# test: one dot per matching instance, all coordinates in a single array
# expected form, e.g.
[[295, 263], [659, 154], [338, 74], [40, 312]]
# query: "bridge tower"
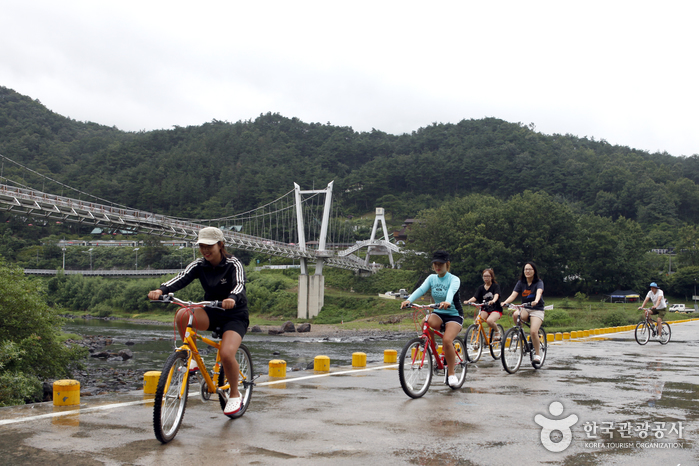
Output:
[[311, 295], [379, 247]]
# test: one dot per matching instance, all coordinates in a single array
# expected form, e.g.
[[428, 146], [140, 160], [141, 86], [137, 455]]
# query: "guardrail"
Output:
[[105, 273]]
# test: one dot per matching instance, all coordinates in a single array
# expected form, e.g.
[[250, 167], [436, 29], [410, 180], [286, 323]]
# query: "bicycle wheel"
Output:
[[415, 368], [512, 349], [496, 346], [245, 375], [543, 346], [171, 397], [474, 343], [461, 365], [665, 333], [642, 333]]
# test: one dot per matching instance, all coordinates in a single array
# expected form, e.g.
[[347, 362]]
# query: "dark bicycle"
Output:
[[647, 328], [515, 343]]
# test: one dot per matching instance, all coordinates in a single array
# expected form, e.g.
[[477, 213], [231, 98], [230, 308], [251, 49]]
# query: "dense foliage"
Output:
[[30, 350], [493, 192]]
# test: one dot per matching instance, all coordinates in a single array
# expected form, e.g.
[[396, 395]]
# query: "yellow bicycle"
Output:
[[173, 385]]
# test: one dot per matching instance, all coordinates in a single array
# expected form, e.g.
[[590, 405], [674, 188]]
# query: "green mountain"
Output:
[[221, 168]]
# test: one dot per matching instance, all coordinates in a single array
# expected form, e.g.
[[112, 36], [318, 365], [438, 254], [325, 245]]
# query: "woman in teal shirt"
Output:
[[449, 317]]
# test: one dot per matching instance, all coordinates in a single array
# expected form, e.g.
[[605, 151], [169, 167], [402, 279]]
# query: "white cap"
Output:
[[210, 235]]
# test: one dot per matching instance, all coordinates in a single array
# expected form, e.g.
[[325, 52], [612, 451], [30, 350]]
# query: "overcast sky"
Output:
[[622, 71]]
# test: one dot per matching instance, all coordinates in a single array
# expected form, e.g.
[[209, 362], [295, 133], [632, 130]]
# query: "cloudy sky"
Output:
[[622, 71]]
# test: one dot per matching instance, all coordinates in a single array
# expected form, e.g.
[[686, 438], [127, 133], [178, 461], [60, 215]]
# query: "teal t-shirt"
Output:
[[442, 288]]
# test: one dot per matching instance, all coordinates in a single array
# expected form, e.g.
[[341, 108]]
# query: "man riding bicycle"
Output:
[[657, 298]]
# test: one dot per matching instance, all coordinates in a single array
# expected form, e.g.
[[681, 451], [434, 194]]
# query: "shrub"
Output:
[[617, 318], [29, 329], [557, 318], [566, 304]]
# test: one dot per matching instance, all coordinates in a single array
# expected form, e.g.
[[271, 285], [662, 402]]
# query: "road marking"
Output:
[[191, 394], [352, 371]]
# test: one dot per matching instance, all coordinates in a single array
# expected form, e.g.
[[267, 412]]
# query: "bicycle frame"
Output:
[[519, 325], [478, 320], [426, 329], [648, 312], [189, 344]]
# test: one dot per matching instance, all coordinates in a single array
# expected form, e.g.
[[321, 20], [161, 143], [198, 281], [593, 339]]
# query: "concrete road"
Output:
[[628, 405]]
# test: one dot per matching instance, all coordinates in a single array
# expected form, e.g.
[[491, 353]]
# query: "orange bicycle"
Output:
[[173, 385], [476, 337], [419, 359]]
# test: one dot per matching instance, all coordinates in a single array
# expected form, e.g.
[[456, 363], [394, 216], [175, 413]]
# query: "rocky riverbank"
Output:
[[98, 379]]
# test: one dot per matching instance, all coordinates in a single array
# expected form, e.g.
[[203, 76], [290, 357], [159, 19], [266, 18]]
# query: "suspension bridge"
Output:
[[296, 225]]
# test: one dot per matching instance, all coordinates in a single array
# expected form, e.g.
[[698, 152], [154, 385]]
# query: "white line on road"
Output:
[[191, 393]]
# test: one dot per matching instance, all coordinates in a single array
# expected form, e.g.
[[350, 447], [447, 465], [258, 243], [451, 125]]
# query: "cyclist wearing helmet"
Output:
[[657, 299]]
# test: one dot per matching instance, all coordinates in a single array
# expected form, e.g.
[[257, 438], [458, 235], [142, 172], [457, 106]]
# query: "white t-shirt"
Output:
[[654, 298]]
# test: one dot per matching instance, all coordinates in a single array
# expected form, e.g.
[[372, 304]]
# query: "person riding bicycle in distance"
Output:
[[223, 278], [489, 293], [449, 316], [531, 287], [657, 299]]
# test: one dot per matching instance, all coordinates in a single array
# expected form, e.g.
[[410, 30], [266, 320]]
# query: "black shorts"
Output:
[[448, 318], [236, 320]]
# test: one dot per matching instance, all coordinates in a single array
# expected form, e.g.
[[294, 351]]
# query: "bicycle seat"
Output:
[[216, 333]]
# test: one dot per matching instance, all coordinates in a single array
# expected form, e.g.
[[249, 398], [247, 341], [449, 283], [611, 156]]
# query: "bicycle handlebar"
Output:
[[422, 306], [518, 306], [171, 299]]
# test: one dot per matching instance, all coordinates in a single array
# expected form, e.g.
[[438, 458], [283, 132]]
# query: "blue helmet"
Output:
[[653, 285]]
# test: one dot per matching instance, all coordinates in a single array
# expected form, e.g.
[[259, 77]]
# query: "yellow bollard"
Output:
[[559, 336], [550, 337], [66, 392], [277, 368], [321, 364], [586, 333], [566, 335], [573, 334], [150, 382], [358, 359], [390, 356]]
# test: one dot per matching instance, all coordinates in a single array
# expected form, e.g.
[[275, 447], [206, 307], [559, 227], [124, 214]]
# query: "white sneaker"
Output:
[[233, 405], [453, 381], [193, 366], [536, 359]]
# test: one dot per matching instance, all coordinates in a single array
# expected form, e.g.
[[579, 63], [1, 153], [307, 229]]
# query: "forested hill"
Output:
[[220, 168]]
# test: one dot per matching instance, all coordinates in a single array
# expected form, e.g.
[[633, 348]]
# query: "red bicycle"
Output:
[[419, 358]]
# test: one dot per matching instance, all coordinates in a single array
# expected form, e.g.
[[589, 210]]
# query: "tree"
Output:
[[30, 351]]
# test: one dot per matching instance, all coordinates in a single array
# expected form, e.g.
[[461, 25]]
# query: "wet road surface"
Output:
[[630, 405]]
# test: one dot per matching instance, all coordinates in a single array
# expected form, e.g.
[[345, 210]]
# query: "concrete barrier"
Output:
[[390, 356], [358, 359], [150, 382], [321, 363], [66, 392], [277, 368]]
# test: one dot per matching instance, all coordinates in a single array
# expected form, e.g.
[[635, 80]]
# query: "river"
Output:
[[151, 344]]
